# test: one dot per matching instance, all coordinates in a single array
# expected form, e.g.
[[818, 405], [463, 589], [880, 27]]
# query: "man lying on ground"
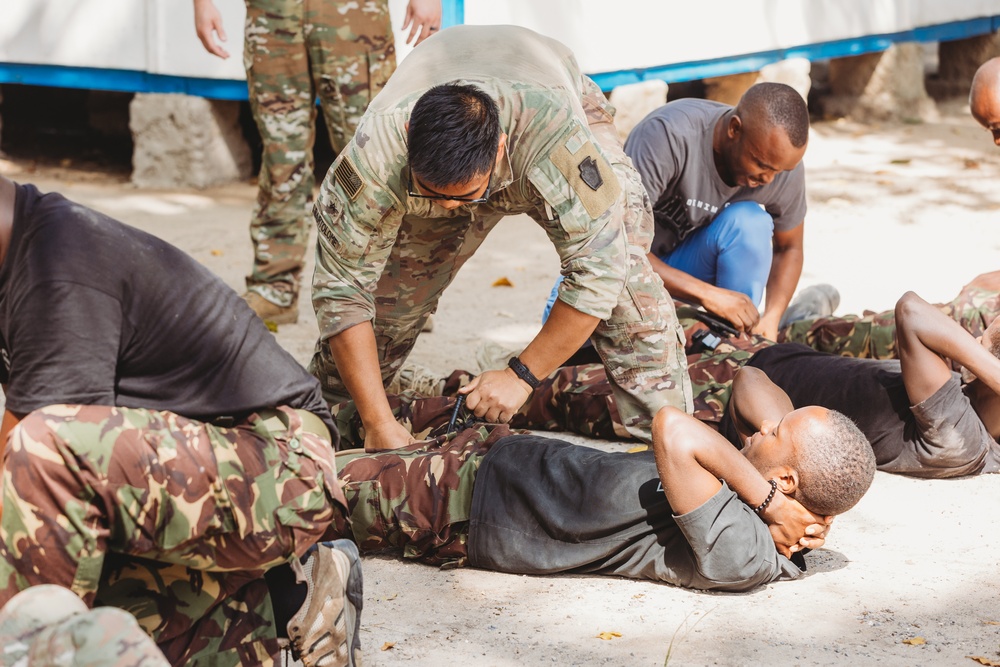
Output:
[[162, 453], [922, 418], [694, 512]]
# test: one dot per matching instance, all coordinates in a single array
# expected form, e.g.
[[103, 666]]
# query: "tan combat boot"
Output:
[[272, 312]]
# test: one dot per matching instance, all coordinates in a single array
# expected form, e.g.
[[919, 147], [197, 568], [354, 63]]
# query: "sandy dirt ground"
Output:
[[909, 577]]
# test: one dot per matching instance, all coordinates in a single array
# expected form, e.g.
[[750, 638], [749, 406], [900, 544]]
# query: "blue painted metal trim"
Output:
[[131, 81], [752, 62], [453, 13]]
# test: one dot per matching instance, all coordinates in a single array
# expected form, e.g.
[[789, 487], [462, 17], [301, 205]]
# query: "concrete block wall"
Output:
[[186, 142]]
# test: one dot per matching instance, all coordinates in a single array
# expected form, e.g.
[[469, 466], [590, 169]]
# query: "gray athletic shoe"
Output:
[[812, 302], [326, 631]]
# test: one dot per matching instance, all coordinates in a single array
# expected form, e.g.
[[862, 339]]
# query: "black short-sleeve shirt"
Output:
[[93, 311], [940, 437]]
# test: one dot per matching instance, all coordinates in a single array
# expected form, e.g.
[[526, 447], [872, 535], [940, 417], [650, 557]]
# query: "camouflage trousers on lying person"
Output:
[[171, 519], [873, 335], [417, 499], [577, 399]]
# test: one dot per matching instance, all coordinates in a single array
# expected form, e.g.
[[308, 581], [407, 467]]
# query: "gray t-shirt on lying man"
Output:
[[542, 506]]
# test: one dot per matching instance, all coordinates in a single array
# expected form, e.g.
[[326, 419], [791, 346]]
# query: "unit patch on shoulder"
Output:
[[348, 178], [589, 174]]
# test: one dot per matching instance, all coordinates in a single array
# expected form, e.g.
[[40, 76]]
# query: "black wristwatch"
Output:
[[521, 371]]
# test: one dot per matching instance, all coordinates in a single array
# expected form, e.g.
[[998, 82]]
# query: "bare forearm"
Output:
[[679, 284], [730, 305], [922, 325], [786, 269], [497, 395], [756, 399], [356, 356], [691, 458], [564, 332]]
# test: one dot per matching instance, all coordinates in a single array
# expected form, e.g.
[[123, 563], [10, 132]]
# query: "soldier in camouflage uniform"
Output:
[[296, 51], [873, 335], [391, 239], [166, 465], [241, 500]]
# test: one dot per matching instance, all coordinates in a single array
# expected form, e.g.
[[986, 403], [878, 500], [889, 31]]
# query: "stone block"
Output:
[[182, 141], [634, 101], [794, 72], [886, 86], [729, 89]]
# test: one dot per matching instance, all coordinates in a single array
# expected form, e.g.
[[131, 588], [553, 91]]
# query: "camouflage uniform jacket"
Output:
[[541, 96]]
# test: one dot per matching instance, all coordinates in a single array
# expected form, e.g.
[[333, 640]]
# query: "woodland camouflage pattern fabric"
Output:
[[168, 518], [386, 257], [416, 499], [577, 399], [294, 52], [873, 335]]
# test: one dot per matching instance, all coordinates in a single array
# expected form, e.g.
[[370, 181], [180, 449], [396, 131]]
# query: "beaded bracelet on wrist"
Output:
[[767, 501]]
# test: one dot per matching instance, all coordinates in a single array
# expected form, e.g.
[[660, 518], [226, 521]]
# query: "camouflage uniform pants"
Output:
[[640, 344], [417, 499], [171, 519], [873, 335], [296, 50], [579, 399]]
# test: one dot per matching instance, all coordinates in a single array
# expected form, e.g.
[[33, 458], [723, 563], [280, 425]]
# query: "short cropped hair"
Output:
[[836, 466], [453, 134], [778, 105]]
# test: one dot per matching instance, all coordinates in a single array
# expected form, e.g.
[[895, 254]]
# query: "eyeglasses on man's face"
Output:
[[412, 192]]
